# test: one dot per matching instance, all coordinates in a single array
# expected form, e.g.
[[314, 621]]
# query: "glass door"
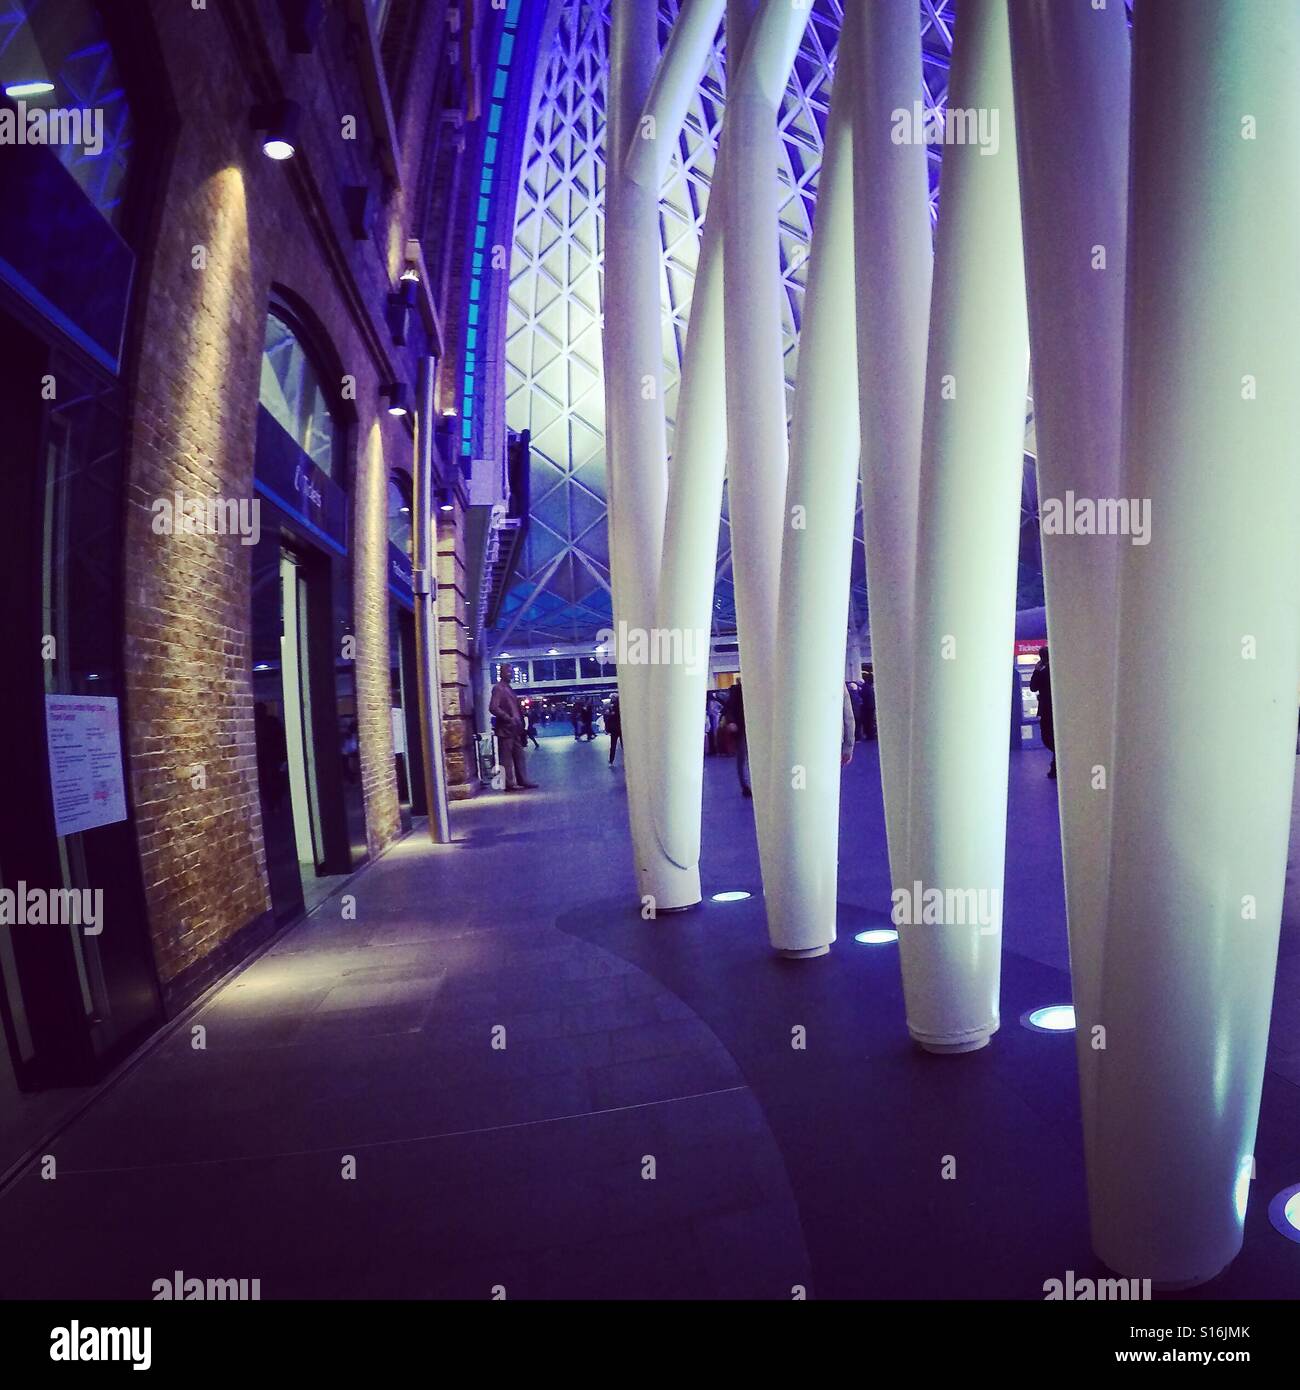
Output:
[[295, 676]]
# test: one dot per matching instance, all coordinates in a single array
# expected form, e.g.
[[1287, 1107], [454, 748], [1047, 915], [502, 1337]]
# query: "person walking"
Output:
[[848, 727], [530, 726], [614, 728], [508, 725], [870, 729], [854, 689], [736, 728], [588, 721], [713, 714], [1041, 684]]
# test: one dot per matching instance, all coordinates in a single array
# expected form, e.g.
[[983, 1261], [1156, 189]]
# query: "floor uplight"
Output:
[[1053, 1018]]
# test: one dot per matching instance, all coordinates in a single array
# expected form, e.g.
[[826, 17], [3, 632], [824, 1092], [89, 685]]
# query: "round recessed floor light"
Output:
[[275, 148], [36, 88], [877, 936], [736, 895], [1284, 1212], [1054, 1018]]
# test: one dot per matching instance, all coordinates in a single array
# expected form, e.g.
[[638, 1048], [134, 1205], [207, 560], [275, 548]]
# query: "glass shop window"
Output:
[[399, 513], [291, 391]]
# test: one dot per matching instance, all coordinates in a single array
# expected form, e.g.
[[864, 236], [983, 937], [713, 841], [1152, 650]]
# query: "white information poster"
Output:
[[85, 761]]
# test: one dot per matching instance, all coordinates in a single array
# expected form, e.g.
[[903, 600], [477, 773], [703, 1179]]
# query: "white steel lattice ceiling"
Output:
[[554, 379]]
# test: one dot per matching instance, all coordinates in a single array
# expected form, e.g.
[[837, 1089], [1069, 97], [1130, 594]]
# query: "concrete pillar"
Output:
[[755, 370], [801, 869], [892, 218], [1208, 622], [636, 443], [967, 544], [1071, 69]]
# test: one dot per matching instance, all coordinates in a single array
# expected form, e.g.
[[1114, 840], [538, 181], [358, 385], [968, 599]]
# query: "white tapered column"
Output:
[[690, 555], [685, 599], [800, 872], [968, 533], [757, 452], [1071, 69], [675, 85], [1209, 616], [636, 447], [892, 216]]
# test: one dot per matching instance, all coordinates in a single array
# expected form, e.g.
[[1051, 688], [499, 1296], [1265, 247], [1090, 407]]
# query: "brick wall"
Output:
[[453, 658], [197, 344]]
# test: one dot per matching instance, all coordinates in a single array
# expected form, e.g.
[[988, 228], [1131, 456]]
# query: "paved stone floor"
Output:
[[348, 1128]]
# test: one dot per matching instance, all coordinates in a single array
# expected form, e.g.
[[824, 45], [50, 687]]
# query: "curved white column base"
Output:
[[942, 1048], [673, 888], [805, 954], [1175, 1285]]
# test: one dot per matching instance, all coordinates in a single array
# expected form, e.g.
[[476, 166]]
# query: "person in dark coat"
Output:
[[272, 754], [614, 728], [1041, 684], [869, 727], [735, 717]]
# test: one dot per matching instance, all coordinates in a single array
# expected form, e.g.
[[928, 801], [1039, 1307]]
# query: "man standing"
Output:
[[1041, 684], [735, 717], [508, 724]]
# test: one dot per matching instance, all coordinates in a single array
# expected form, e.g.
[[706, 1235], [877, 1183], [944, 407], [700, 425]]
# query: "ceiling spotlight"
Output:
[[278, 123], [395, 394], [444, 499]]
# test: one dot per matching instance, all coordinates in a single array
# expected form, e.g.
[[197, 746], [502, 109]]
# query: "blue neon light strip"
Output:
[[487, 182]]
